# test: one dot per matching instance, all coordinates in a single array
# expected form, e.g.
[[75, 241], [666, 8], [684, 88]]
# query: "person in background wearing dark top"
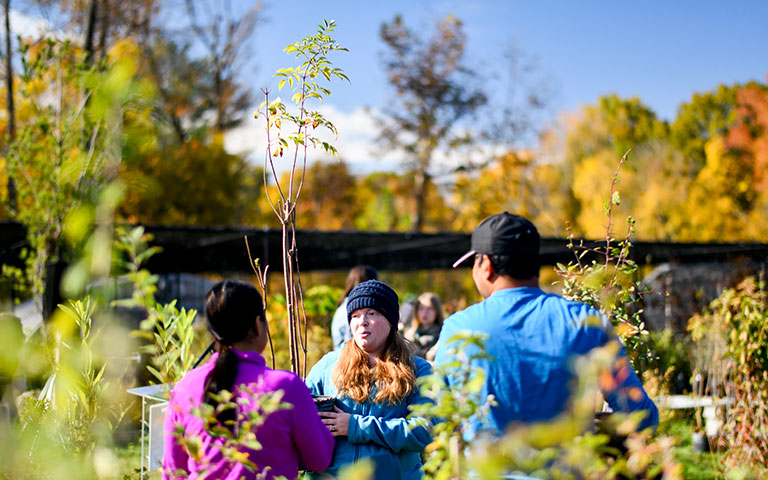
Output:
[[289, 438], [425, 327], [374, 381], [339, 325], [532, 336]]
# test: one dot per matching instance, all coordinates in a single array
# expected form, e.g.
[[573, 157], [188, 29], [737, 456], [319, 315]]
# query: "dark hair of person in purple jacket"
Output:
[[235, 317]]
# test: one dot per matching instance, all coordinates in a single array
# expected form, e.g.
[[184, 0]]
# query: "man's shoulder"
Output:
[[581, 320], [553, 301], [510, 304], [472, 319], [471, 312]]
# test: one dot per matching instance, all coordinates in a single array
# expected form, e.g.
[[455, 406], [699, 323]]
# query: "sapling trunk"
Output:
[[312, 50]]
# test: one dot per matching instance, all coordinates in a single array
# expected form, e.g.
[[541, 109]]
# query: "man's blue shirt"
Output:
[[533, 338]]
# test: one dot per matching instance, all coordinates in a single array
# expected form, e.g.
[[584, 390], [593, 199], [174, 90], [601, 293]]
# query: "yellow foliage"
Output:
[[591, 186], [719, 198], [124, 49], [511, 182]]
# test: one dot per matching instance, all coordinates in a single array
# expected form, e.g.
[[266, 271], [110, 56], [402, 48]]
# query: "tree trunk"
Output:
[[219, 124], [10, 104], [91, 31], [104, 31], [420, 193], [420, 184]]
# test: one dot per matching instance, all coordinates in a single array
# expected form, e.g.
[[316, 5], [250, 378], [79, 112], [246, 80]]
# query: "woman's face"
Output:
[[426, 314], [370, 330]]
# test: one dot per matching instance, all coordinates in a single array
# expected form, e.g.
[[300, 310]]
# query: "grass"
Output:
[[130, 462], [696, 465]]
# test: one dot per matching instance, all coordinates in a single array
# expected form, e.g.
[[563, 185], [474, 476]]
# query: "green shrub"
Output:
[[740, 317]]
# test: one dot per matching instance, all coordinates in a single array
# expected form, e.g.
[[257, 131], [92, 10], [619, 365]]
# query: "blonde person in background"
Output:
[[425, 327]]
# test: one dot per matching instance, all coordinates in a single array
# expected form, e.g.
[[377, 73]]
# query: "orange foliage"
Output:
[[749, 137]]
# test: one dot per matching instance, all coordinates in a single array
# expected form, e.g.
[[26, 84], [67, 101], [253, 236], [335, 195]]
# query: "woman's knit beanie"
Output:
[[376, 295]]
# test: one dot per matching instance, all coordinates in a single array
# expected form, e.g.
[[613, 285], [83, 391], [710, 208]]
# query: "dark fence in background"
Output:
[[223, 250]]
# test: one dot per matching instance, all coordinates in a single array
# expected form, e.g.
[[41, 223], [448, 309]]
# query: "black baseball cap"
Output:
[[504, 234]]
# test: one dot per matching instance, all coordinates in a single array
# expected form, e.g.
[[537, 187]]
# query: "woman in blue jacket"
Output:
[[373, 378]]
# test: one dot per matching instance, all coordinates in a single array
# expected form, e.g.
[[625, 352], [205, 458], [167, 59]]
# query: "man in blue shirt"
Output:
[[533, 336]]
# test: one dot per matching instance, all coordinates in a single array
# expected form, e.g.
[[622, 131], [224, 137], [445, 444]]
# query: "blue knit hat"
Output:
[[376, 295]]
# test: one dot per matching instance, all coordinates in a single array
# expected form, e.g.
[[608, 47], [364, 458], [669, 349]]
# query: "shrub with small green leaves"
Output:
[[134, 250], [605, 277], [453, 408], [171, 333], [740, 317], [66, 430]]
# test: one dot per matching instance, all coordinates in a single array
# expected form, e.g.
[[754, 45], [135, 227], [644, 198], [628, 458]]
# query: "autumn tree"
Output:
[[727, 200], [511, 182], [331, 198], [195, 183], [696, 179], [197, 91], [195, 66], [194, 97], [385, 202], [224, 36], [187, 176], [591, 144], [435, 92], [100, 23], [706, 116], [749, 136], [56, 162], [387, 198]]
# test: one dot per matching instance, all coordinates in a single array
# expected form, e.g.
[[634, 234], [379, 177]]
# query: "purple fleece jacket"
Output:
[[288, 437]]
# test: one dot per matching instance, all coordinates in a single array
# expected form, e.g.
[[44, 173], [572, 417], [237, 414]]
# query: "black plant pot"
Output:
[[700, 442], [603, 425], [324, 403]]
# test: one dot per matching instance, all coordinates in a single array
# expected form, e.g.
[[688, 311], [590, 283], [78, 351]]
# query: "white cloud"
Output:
[[33, 27], [355, 144]]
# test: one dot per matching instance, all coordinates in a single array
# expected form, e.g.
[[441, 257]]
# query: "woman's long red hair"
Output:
[[393, 375]]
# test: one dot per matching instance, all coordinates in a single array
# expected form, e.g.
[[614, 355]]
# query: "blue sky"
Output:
[[660, 51]]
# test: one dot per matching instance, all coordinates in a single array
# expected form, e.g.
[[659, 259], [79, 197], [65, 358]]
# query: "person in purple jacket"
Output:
[[288, 437]]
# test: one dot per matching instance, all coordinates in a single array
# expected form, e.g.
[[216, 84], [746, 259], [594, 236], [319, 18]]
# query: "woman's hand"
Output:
[[337, 422]]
